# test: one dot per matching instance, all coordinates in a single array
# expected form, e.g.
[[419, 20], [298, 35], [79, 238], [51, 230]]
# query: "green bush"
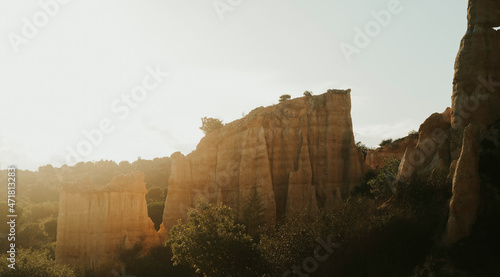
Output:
[[157, 262], [364, 149], [213, 243], [383, 184], [413, 134], [155, 195], [31, 235], [385, 142], [34, 263], [209, 124], [155, 212], [285, 97], [40, 211]]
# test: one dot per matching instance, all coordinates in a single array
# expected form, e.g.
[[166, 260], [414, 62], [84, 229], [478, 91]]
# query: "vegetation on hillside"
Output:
[[37, 205]]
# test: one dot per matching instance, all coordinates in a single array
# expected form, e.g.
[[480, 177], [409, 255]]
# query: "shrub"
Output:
[[31, 235], [385, 142], [383, 184], [209, 124], [157, 262], [155, 212], [41, 211], [213, 243], [364, 149], [307, 93], [285, 97], [33, 263], [155, 195], [413, 134]]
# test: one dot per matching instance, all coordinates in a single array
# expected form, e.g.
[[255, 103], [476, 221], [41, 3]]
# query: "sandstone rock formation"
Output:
[[431, 154], [375, 158], [466, 184], [96, 223], [445, 144], [476, 92], [476, 85], [299, 154]]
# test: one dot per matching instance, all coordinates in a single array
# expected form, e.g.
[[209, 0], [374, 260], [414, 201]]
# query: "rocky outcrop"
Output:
[[476, 93], [375, 159], [476, 85], [466, 186], [96, 223], [445, 144], [431, 154], [299, 154]]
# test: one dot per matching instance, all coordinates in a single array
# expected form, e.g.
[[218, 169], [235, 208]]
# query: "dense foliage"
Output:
[[37, 205], [213, 243], [33, 263], [155, 212], [384, 183]]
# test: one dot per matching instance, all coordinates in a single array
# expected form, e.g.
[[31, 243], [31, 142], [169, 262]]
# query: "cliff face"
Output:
[[449, 143], [297, 155], [96, 223], [375, 158], [466, 185], [431, 155], [476, 85]]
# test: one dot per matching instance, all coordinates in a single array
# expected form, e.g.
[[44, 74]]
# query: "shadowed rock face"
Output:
[[476, 90], [486, 12], [298, 155], [96, 223], [475, 103], [466, 185], [476, 85], [431, 154]]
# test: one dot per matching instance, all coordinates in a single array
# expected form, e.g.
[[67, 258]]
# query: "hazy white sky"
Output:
[[75, 68]]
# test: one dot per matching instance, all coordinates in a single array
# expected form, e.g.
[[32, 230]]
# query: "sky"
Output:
[[85, 80]]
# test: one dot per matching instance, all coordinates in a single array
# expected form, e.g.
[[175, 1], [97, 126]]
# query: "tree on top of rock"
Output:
[[209, 124], [285, 97]]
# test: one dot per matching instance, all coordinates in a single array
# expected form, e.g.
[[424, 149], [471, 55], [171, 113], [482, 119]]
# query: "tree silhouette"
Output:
[[209, 124], [284, 97], [253, 211]]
